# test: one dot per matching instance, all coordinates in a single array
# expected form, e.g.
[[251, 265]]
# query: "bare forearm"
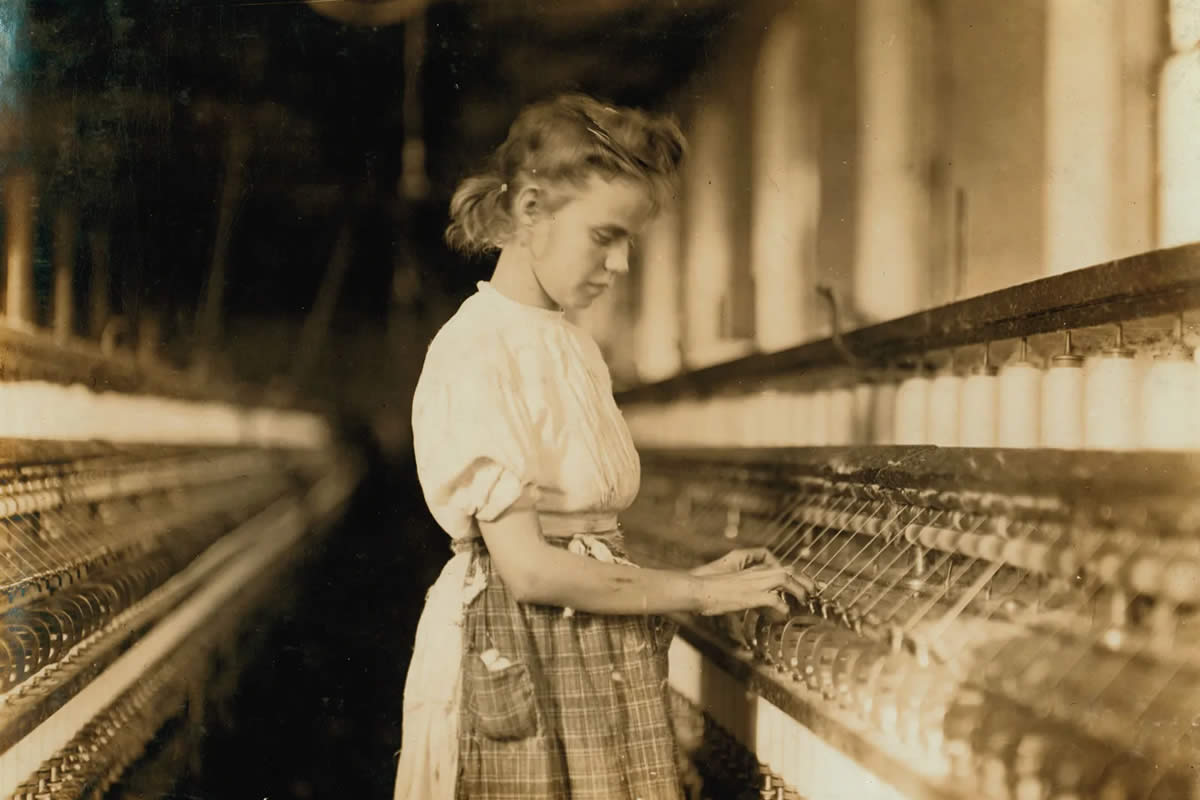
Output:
[[561, 578], [599, 588], [537, 572]]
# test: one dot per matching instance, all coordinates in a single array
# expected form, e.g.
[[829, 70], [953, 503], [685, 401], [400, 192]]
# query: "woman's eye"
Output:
[[601, 238]]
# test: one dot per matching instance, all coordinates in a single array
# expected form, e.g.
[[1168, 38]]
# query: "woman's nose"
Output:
[[617, 259]]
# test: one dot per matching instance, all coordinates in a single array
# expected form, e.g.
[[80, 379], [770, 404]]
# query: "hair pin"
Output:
[[601, 135]]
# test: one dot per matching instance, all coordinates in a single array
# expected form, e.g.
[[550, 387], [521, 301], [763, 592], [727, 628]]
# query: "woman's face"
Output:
[[580, 248]]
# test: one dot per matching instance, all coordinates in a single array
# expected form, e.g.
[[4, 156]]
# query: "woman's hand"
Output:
[[736, 560], [753, 587]]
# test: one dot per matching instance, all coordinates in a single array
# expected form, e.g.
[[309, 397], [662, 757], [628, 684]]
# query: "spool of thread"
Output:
[[689, 418], [739, 412], [799, 405], [841, 416], [942, 412], [881, 428], [749, 408], [864, 404], [1018, 405], [1112, 389], [1062, 403], [820, 403], [733, 412], [771, 416], [717, 424], [977, 408], [733, 416], [1170, 393], [705, 416], [692, 428], [912, 400]]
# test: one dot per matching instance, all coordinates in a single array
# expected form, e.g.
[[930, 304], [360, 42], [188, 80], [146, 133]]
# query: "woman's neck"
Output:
[[514, 278]]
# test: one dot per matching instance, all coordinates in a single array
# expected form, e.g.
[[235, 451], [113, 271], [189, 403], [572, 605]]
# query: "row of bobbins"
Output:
[[1112, 400], [1109, 401], [39, 410]]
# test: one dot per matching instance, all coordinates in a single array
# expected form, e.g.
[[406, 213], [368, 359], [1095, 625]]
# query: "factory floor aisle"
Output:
[[317, 713]]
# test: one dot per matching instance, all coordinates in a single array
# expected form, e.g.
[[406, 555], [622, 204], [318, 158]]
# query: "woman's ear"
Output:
[[528, 205]]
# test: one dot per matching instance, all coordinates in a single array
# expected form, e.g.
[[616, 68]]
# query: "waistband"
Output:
[[561, 525], [570, 523]]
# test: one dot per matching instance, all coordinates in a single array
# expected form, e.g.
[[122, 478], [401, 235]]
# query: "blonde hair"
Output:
[[564, 140]]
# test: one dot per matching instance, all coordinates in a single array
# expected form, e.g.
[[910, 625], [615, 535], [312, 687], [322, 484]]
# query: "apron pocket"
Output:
[[501, 701]]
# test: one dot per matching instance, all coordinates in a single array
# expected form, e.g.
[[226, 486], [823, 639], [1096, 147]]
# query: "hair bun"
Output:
[[564, 140]]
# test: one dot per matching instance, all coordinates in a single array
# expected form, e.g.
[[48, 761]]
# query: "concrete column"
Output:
[[1083, 125], [657, 328], [1141, 61], [892, 229], [18, 247], [1179, 121], [709, 241], [65, 235], [786, 189]]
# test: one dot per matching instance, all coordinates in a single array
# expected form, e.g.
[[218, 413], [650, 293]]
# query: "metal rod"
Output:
[[937, 598]]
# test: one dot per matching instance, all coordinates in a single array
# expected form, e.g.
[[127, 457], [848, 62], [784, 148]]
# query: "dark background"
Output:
[[132, 104]]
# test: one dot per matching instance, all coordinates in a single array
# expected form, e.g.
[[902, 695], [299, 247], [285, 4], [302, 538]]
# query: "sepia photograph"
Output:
[[600, 399]]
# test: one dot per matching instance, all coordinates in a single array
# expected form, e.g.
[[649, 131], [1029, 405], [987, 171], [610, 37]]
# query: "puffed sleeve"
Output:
[[473, 440]]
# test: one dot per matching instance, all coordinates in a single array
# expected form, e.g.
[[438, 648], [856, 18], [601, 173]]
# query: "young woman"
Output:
[[539, 669]]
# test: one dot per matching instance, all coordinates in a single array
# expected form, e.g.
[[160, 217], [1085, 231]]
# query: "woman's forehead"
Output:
[[619, 201]]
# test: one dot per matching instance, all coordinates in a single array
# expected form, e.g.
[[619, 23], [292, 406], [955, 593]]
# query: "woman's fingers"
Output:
[[759, 555], [803, 583], [780, 580], [789, 581], [776, 602], [763, 586]]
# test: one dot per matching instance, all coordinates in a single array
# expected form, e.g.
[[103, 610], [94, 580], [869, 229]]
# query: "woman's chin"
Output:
[[586, 296], [580, 302]]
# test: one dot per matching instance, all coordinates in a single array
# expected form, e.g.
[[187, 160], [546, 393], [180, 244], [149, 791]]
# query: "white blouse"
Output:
[[513, 402], [516, 400]]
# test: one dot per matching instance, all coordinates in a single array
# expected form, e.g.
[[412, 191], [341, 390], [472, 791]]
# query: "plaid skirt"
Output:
[[578, 708]]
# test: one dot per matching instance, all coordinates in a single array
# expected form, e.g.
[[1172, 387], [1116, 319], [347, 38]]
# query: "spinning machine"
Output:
[[145, 531], [999, 502]]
